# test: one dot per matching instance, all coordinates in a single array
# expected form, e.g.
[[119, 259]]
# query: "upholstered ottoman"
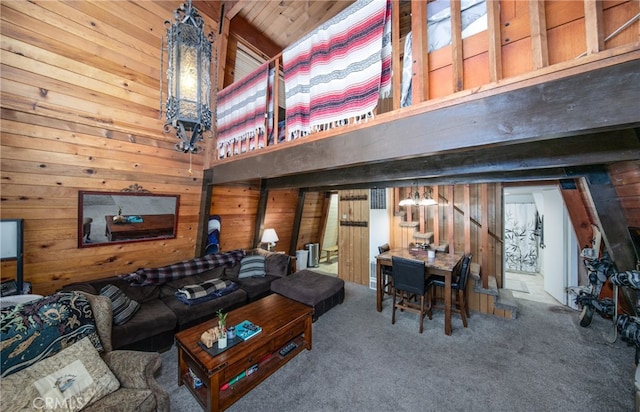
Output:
[[311, 288]]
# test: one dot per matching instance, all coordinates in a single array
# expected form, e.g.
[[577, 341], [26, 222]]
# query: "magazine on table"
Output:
[[246, 330]]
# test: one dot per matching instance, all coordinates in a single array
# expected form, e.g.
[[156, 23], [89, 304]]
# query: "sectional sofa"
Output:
[[160, 314]]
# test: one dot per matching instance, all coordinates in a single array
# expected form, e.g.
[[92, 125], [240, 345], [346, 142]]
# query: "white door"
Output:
[[560, 242]]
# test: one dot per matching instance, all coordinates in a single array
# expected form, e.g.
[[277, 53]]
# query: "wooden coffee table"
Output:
[[282, 320], [151, 226]]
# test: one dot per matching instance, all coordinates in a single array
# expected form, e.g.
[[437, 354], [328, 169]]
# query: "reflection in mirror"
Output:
[[121, 217]]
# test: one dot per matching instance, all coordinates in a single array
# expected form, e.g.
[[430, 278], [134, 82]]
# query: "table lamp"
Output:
[[270, 237]]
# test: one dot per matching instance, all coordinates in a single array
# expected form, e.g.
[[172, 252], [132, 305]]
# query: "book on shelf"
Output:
[[246, 330], [195, 381]]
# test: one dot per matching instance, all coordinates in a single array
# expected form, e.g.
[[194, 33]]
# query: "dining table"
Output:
[[442, 264]]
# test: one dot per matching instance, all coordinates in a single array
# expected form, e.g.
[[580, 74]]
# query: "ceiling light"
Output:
[[414, 198]]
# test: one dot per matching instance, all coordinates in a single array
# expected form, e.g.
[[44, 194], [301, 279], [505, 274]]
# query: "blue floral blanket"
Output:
[[34, 331]]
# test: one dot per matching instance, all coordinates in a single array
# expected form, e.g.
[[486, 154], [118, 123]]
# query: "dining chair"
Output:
[[387, 272], [409, 283], [459, 277]]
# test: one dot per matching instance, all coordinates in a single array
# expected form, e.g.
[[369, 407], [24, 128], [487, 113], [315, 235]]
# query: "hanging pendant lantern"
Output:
[[188, 78]]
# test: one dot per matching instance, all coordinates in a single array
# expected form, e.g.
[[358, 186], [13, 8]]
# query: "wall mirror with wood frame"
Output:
[[107, 218]]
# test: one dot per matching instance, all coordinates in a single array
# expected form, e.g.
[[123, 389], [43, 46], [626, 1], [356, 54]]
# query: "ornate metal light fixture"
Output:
[[188, 78]]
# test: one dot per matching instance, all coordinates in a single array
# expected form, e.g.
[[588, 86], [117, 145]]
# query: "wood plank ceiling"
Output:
[[283, 21]]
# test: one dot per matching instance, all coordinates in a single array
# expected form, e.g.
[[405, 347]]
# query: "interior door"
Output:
[[558, 241], [353, 236]]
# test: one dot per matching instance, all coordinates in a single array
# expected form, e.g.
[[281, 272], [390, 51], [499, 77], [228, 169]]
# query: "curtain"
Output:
[[521, 243], [336, 74]]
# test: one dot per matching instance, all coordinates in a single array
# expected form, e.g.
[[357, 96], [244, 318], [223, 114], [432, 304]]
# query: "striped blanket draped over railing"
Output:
[[336, 74], [240, 113]]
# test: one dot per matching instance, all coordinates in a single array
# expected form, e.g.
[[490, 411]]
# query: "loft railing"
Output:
[[520, 40]]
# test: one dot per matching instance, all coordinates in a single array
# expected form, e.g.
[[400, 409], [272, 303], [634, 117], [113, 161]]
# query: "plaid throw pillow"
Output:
[[123, 307]]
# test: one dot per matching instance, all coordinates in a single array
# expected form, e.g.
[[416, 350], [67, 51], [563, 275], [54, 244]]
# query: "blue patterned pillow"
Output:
[[252, 266], [36, 330], [122, 306]]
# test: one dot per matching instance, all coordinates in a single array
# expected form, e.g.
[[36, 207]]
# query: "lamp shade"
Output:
[[269, 236], [427, 202]]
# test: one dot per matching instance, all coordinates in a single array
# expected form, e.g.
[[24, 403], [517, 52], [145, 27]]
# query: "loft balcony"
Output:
[[538, 88]]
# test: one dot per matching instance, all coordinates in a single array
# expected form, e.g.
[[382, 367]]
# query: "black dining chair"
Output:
[[387, 272], [409, 283], [459, 277]]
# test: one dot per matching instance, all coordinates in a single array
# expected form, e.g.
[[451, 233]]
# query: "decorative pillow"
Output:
[[70, 380], [36, 330], [252, 266], [123, 307]]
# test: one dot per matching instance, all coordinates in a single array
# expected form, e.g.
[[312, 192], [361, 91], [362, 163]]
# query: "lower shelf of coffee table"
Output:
[[227, 397]]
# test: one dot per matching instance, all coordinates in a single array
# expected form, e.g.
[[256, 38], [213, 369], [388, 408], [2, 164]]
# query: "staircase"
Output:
[[494, 301]]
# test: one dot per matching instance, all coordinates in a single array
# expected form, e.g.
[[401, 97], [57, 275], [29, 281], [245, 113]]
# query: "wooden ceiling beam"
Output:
[[529, 158], [233, 7], [610, 215]]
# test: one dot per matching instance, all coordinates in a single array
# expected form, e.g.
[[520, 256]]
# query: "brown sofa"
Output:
[[161, 314]]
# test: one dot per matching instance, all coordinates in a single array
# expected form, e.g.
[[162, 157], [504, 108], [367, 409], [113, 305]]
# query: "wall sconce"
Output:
[[188, 78], [270, 237], [414, 198]]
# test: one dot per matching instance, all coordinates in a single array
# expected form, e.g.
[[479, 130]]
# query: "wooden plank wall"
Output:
[[625, 177], [310, 223], [80, 105], [532, 35], [280, 215], [80, 110], [237, 206]]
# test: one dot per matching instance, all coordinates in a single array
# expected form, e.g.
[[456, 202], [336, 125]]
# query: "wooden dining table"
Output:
[[442, 265]]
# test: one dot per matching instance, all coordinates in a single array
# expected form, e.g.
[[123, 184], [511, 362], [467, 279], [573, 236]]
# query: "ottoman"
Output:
[[322, 292]]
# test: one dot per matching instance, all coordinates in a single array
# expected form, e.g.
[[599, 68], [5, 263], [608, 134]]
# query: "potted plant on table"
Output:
[[222, 329]]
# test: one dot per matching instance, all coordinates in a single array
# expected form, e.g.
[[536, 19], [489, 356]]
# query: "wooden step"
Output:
[[503, 302], [492, 288], [507, 302]]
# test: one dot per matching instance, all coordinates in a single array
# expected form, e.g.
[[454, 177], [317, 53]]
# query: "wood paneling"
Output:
[[280, 215], [237, 206], [310, 223], [625, 177], [80, 100], [81, 109]]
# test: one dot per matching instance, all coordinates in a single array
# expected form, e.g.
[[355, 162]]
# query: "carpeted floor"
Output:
[[541, 361]]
